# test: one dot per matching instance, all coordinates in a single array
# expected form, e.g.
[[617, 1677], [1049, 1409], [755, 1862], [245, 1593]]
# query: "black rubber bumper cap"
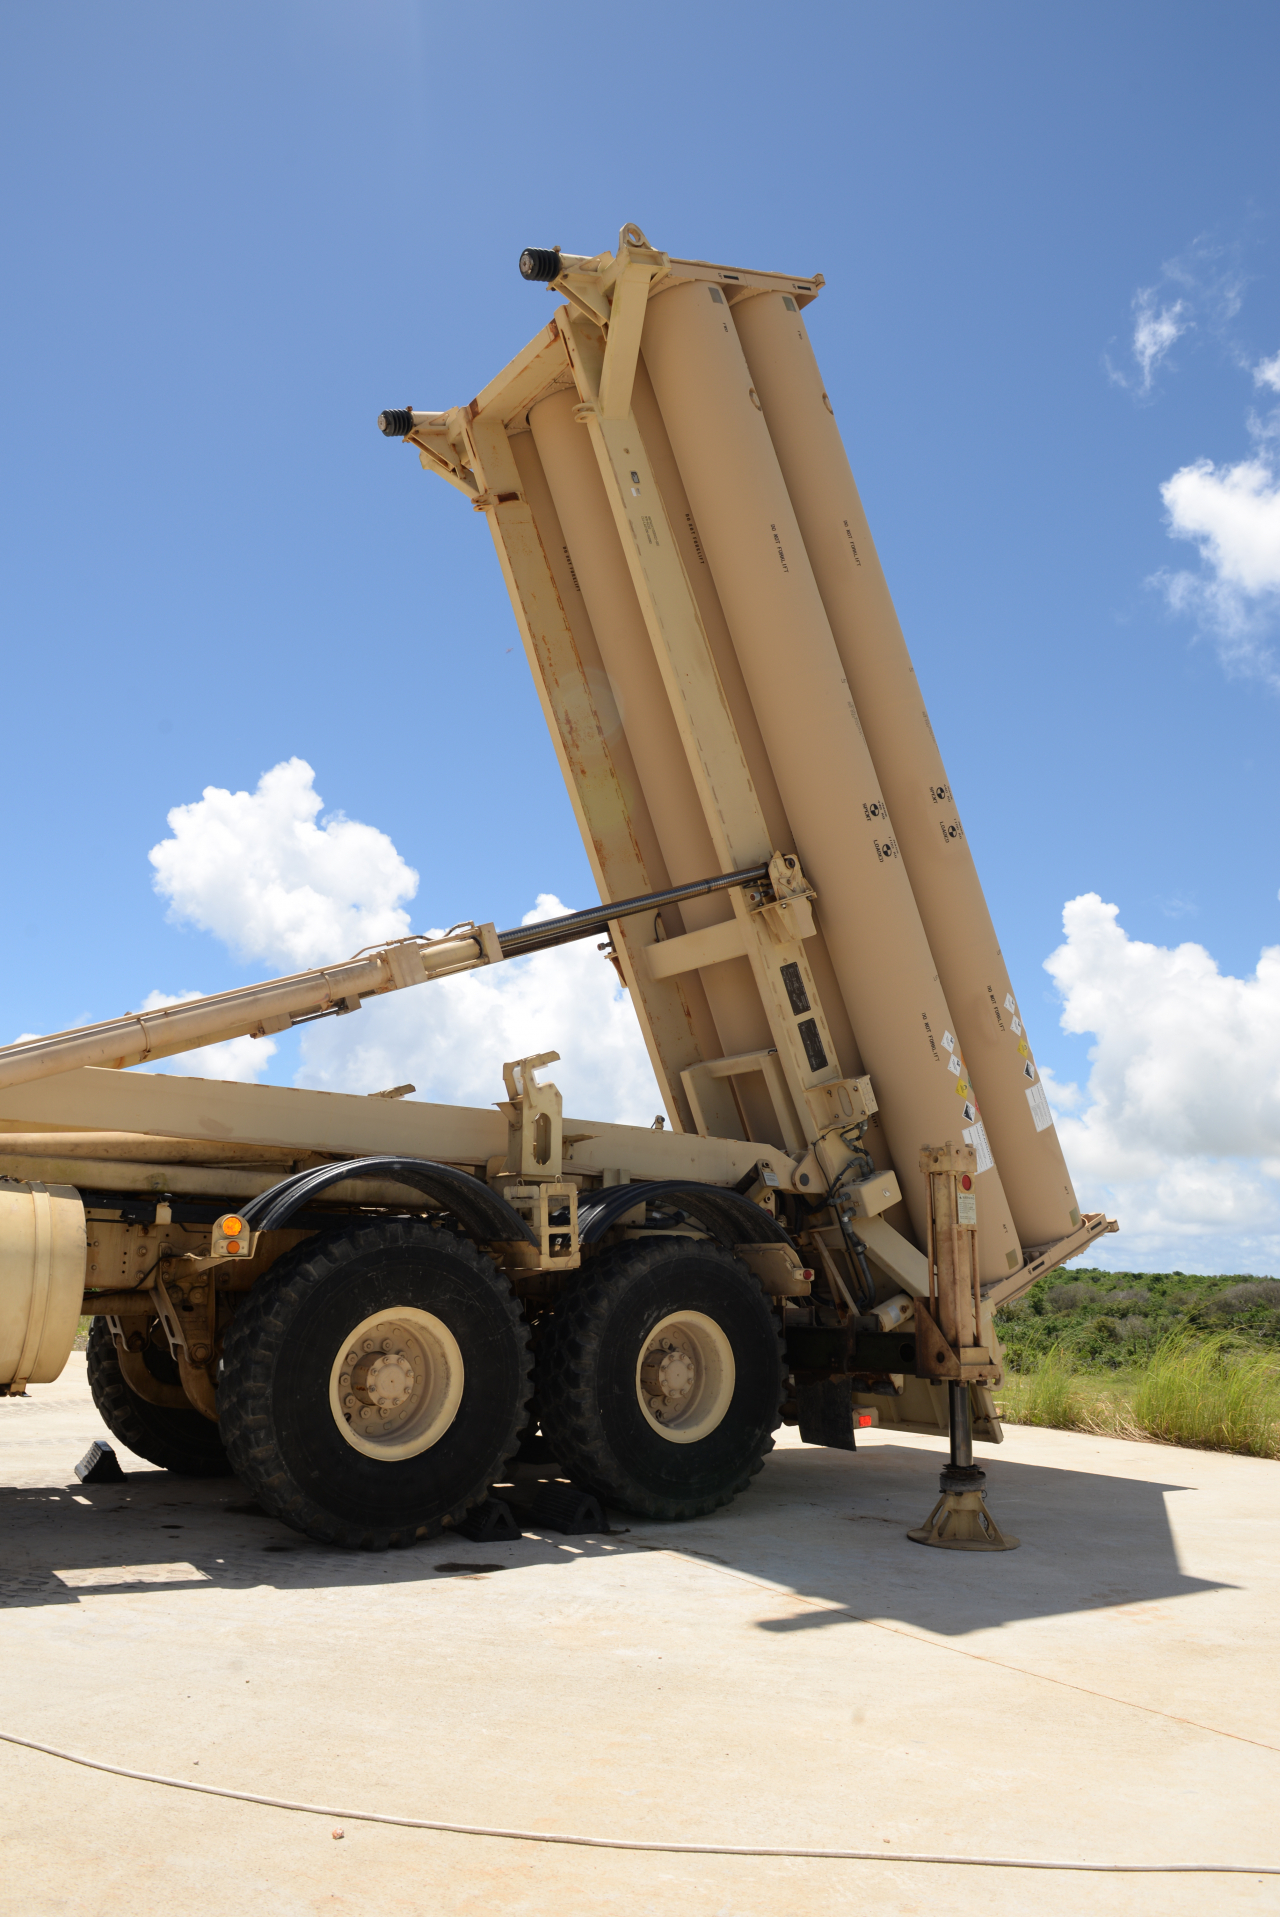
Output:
[[539, 263]]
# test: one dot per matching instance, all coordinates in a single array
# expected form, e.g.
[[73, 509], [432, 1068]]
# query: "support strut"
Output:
[[960, 1520]]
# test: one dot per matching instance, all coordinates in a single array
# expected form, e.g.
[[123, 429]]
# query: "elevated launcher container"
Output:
[[861, 1163]]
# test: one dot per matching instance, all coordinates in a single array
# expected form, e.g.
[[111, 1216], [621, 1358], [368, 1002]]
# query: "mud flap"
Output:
[[827, 1414]]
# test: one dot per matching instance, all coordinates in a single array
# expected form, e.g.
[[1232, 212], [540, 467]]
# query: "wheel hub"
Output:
[[396, 1384], [668, 1375], [386, 1380], [685, 1376]]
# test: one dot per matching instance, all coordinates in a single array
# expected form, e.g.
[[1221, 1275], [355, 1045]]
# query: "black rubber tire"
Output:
[[587, 1360], [184, 1442], [280, 1433]]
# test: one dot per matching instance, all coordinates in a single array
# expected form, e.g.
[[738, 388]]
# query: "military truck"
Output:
[[374, 1309]]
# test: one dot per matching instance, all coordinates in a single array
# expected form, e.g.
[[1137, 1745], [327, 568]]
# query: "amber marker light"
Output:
[[229, 1229]]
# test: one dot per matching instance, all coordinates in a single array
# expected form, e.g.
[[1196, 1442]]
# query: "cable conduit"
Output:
[[882, 1856]]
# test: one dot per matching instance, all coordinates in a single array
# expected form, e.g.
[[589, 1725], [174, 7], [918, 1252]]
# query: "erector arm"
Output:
[[255, 1011]]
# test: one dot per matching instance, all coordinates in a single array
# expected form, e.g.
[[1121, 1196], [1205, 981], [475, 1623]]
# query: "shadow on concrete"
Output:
[[61, 1544], [827, 1526], [831, 1528]]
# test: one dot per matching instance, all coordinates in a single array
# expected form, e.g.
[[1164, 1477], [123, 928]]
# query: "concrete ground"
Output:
[[792, 1671]]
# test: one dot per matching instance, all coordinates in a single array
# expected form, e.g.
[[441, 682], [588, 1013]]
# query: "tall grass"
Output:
[[1049, 1395], [1204, 1395]]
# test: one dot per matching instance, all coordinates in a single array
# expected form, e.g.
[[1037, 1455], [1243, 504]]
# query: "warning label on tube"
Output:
[[976, 1135], [1039, 1107]]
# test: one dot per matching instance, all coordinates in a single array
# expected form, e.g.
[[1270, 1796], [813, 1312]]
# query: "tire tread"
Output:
[[566, 1361], [256, 1336], [184, 1442]]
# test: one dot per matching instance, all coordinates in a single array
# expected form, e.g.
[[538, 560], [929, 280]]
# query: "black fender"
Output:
[[725, 1213], [484, 1214]]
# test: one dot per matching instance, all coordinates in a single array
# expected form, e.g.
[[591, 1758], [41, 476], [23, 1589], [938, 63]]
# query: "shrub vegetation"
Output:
[[1114, 1320], [1172, 1356]]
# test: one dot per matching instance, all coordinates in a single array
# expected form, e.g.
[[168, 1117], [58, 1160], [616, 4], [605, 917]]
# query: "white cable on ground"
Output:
[[630, 1843]]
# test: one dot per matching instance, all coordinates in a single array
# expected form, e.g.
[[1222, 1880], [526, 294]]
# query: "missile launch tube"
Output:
[[815, 744], [684, 530], [647, 719], [855, 595]]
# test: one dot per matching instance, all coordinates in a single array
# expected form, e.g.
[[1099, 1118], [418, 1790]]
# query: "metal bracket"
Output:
[[535, 1120], [636, 265], [536, 1203], [1042, 1258], [440, 442], [696, 1078]]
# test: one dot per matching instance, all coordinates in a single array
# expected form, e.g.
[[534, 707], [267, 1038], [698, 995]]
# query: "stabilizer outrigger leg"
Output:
[[960, 1520], [948, 1346]]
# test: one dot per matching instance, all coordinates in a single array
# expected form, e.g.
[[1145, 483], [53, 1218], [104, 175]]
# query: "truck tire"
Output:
[[184, 1442], [374, 1383], [660, 1378]]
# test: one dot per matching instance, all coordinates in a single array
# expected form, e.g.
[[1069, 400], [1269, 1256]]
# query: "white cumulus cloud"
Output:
[[450, 1038], [1267, 373], [256, 870], [1232, 513], [1178, 1132]]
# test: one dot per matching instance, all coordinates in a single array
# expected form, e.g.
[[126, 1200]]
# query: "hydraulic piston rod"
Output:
[[579, 925], [258, 1010]]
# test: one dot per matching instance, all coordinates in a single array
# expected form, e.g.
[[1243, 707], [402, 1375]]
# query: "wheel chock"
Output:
[[489, 1522], [564, 1508], [100, 1465]]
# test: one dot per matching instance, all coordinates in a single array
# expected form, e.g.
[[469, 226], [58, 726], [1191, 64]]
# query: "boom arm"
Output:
[[255, 1011]]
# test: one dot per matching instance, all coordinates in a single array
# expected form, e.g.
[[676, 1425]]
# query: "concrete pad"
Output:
[[790, 1672]]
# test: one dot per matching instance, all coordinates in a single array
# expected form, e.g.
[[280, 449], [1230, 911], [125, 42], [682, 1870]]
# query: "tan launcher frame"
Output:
[[763, 970]]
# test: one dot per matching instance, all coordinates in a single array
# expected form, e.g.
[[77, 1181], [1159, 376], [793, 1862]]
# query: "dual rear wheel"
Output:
[[660, 1378], [377, 1381]]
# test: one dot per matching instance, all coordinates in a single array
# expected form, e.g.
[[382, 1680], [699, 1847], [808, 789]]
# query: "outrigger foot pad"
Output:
[[960, 1520]]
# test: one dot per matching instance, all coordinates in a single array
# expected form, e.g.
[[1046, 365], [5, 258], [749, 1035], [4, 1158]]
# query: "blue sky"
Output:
[[234, 233]]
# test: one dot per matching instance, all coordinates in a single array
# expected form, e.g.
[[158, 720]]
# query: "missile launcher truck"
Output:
[[372, 1311]]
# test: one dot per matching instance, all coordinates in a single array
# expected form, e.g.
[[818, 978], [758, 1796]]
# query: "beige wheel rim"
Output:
[[685, 1376], [396, 1383]]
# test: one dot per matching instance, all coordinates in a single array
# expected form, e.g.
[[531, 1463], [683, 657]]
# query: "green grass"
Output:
[[1210, 1395], [1049, 1394]]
